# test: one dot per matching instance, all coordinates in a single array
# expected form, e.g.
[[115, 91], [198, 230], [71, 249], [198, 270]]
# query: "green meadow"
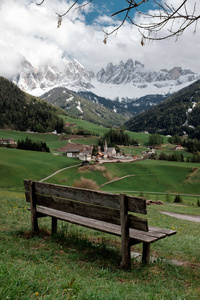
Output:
[[53, 140], [16, 165], [100, 130], [79, 263]]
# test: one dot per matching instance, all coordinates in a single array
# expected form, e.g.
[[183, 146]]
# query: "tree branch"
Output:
[[164, 15]]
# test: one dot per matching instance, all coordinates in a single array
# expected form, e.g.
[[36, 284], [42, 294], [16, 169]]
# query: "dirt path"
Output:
[[181, 216], [117, 179], [59, 171]]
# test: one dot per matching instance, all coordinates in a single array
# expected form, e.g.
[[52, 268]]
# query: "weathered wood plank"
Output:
[[77, 194], [156, 235], [78, 208], [96, 224], [168, 232], [136, 204], [79, 220], [137, 223]]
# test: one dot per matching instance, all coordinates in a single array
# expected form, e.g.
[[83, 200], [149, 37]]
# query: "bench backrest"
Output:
[[111, 208]]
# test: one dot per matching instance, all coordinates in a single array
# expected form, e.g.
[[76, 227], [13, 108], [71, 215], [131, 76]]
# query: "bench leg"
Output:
[[146, 253], [125, 238], [34, 219], [54, 225], [126, 255]]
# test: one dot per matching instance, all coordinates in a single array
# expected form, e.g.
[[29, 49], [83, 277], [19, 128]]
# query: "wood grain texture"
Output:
[[135, 204]]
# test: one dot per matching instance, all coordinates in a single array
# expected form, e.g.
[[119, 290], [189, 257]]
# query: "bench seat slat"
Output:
[[168, 232], [136, 235]]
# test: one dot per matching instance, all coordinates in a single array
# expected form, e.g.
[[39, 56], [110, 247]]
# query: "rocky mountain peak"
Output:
[[125, 80], [70, 73]]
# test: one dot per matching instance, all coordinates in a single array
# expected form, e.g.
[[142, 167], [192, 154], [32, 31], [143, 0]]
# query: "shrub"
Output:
[[198, 203], [178, 199], [86, 184], [167, 197]]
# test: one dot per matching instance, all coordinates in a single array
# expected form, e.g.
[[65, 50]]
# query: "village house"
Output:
[[178, 147], [85, 155], [83, 152], [72, 153], [7, 142]]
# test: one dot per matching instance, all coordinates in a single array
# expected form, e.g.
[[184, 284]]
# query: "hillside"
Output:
[[178, 114], [94, 112], [20, 111]]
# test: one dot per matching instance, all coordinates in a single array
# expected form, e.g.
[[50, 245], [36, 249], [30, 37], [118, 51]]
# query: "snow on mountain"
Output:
[[36, 81], [129, 80]]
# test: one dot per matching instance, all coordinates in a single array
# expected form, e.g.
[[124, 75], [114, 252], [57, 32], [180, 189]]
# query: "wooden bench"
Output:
[[111, 213]]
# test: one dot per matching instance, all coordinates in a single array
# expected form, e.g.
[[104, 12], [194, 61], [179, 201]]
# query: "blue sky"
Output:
[[104, 7], [30, 32]]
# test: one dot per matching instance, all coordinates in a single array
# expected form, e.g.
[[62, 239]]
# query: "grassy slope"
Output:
[[160, 176], [17, 165], [86, 125], [149, 176]]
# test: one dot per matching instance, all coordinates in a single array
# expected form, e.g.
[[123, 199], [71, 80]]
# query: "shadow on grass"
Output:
[[83, 245]]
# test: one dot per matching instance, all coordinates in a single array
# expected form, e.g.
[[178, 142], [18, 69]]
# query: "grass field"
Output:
[[79, 263], [155, 179], [16, 165], [100, 130]]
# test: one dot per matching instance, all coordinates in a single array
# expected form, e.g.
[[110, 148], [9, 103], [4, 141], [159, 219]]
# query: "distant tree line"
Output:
[[171, 157], [116, 137], [179, 157], [155, 139], [192, 145], [28, 144]]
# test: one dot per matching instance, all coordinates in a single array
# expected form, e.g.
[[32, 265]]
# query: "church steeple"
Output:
[[105, 147]]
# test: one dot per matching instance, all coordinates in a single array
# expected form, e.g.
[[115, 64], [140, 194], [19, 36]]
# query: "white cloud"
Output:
[[31, 31]]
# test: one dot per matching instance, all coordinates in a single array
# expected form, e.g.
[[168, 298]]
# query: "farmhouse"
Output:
[[72, 152]]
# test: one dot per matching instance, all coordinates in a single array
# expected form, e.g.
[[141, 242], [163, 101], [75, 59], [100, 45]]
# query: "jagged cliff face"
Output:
[[135, 72], [125, 81], [70, 74]]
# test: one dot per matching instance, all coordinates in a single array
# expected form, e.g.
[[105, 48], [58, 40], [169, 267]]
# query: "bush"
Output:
[[178, 199], [86, 184], [167, 197]]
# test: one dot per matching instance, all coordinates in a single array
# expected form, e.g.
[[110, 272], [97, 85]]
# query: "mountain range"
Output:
[[126, 82], [118, 93]]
